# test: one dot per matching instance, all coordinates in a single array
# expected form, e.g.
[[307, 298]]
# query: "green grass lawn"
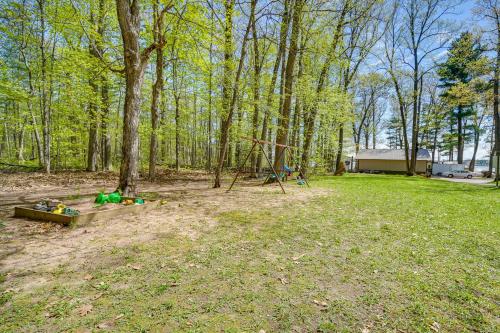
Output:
[[379, 254]]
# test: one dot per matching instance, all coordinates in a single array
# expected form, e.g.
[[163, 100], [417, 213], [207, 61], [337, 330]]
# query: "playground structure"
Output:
[[278, 176]]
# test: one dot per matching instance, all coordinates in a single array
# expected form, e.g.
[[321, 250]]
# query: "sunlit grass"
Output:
[[382, 253]]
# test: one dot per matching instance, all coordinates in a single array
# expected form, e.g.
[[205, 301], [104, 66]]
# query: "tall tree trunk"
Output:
[[416, 110], [20, 150], [374, 127], [496, 99], [209, 125], [210, 88], [434, 145], [39, 145], [229, 91], [46, 117], [227, 82], [284, 120], [402, 113], [340, 149], [295, 127], [177, 132], [93, 143], [272, 85], [460, 137], [135, 62], [157, 88], [491, 161], [256, 90], [32, 113], [193, 143], [472, 163], [105, 134]]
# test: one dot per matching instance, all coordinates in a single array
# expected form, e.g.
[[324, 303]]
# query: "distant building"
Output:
[[390, 160]]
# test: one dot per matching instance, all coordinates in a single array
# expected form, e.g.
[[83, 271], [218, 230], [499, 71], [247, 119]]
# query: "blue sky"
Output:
[[465, 19]]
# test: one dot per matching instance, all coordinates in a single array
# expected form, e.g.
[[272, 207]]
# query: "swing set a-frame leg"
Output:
[[241, 166], [272, 168]]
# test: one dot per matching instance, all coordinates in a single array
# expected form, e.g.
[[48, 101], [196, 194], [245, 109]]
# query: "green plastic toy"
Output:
[[102, 198], [139, 201], [71, 211], [115, 197]]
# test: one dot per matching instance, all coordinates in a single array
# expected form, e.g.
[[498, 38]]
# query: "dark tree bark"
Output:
[[135, 62], [284, 120]]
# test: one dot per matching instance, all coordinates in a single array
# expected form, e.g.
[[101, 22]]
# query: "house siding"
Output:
[[389, 165]]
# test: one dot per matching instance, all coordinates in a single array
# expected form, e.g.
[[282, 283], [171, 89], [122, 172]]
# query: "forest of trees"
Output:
[[130, 85]]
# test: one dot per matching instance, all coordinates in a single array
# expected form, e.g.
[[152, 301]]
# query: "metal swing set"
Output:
[[259, 144]]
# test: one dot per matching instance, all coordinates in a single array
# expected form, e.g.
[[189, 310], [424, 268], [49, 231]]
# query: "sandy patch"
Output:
[[30, 248]]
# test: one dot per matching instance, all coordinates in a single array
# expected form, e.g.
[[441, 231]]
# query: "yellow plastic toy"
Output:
[[59, 209]]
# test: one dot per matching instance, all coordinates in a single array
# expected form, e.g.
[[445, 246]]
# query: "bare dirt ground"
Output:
[[31, 249]]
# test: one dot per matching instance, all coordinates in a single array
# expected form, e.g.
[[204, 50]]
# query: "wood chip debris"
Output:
[[283, 280], [321, 304], [134, 266], [435, 327]]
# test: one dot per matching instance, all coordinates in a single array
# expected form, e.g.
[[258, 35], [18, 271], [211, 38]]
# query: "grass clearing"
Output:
[[382, 253]]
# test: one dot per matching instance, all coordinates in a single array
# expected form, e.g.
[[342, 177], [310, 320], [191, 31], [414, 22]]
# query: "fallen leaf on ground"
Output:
[[262, 331], [365, 330], [121, 315], [134, 266], [435, 327], [88, 277], [320, 303], [85, 309]]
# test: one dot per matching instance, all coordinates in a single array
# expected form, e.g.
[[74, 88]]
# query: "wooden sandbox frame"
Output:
[[33, 214]]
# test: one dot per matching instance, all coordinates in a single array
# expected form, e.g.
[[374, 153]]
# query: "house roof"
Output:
[[390, 154]]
